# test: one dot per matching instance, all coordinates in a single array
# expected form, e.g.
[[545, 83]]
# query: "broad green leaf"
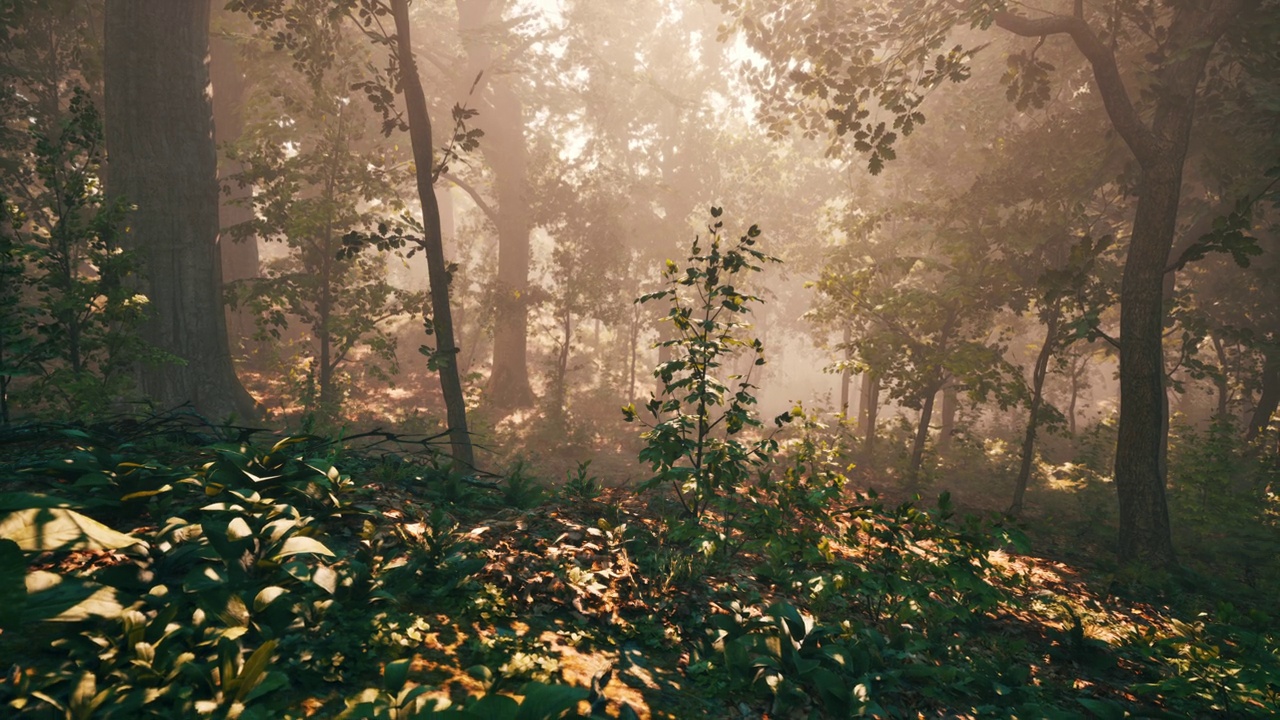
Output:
[[395, 674], [266, 596], [326, 578], [47, 529], [494, 707], [254, 669], [302, 544], [26, 501], [13, 590], [61, 599], [546, 702]]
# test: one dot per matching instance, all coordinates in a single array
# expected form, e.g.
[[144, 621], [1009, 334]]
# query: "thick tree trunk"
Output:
[[1038, 375], [415, 101], [506, 151], [239, 259], [159, 128], [1140, 483]]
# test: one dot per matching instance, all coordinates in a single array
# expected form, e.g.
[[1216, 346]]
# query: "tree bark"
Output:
[[868, 410], [159, 131], [415, 101], [239, 259], [922, 436], [1038, 375], [845, 373], [950, 406], [1269, 398], [506, 151]]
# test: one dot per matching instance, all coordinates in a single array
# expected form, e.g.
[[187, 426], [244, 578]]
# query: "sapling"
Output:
[[695, 441]]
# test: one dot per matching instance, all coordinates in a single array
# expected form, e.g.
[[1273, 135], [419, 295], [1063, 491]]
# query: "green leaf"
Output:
[[266, 596], [13, 590], [26, 501], [547, 702], [395, 674], [299, 544], [51, 529], [494, 707], [254, 670], [1104, 709], [60, 599]]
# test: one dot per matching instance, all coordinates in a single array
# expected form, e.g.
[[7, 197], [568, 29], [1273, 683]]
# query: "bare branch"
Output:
[[476, 197]]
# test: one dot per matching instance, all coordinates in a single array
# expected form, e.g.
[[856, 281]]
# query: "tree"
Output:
[[419, 126], [312, 179], [309, 30], [159, 133], [501, 117], [832, 64]]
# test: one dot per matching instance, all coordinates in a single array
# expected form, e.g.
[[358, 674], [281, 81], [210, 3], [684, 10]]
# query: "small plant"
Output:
[[579, 486], [695, 443]]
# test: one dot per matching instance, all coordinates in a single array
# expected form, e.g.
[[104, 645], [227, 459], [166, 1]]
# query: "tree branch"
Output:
[[1140, 139], [476, 197]]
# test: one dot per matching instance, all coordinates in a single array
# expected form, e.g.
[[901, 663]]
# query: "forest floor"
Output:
[[507, 583]]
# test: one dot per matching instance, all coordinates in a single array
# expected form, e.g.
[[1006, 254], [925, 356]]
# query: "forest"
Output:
[[535, 359]]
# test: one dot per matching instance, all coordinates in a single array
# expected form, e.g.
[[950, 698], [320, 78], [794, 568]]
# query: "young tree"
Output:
[[314, 180], [308, 29]]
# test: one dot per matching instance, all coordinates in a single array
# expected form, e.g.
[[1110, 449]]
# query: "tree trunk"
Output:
[[1221, 381], [415, 101], [1160, 147], [562, 362], [1269, 399], [239, 259], [845, 372], [922, 436], [868, 409], [506, 151], [633, 349], [1038, 374], [950, 405], [159, 128], [1079, 364]]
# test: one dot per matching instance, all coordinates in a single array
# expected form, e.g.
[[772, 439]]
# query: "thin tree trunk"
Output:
[[950, 405], [922, 435], [1269, 399], [1038, 375], [845, 372], [159, 127], [562, 362], [868, 410], [633, 348], [1220, 381], [442, 321], [1079, 364]]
